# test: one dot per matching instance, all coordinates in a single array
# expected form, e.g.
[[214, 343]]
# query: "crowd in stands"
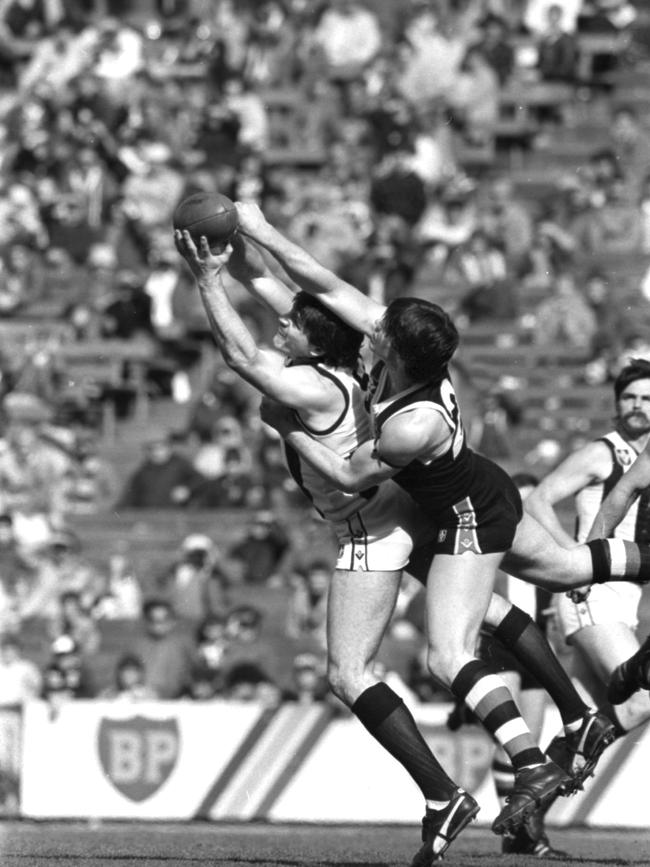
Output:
[[371, 133]]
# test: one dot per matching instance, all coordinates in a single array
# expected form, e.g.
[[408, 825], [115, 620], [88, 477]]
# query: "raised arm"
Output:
[[297, 387], [247, 265], [620, 499], [342, 298]]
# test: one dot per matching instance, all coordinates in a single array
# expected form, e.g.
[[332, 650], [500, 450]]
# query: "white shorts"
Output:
[[612, 602], [381, 535]]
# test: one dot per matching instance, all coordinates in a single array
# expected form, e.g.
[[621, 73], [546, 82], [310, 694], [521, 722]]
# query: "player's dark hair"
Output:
[[638, 368], [337, 342], [423, 336]]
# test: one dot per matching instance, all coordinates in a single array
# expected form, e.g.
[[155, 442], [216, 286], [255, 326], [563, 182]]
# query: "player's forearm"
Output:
[[300, 265], [271, 292], [234, 340], [612, 511], [332, 467]]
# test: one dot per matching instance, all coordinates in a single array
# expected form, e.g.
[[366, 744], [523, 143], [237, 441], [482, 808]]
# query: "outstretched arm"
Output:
[[247, 265], [297, 387], [342, 298], [620, 499], [402, 441]]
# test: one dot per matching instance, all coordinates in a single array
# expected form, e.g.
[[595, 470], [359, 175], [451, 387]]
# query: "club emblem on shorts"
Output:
[[623, 457], [138, 754], [442, 535]]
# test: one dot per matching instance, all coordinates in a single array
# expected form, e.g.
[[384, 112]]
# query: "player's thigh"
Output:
[[360, 606], [605, 646], [536, 556], [459, 589]]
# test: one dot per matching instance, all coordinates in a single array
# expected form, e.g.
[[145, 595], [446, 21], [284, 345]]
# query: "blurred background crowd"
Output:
[[490, 155]]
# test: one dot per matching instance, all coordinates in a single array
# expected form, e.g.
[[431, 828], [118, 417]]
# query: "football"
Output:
[[211, 214]]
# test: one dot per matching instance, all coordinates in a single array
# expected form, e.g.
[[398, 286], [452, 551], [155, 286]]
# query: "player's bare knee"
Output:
[[441, 664]]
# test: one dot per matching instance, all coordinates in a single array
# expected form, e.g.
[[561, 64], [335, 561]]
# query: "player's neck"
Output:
[[399, 380], [637, 443]]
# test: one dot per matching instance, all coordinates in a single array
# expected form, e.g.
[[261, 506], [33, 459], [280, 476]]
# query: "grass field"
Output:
[[29, 844]]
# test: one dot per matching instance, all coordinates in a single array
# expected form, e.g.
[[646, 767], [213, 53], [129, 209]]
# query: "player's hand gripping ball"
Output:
[[209, 214]]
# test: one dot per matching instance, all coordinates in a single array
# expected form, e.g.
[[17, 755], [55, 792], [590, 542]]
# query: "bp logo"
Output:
[[138, 754]]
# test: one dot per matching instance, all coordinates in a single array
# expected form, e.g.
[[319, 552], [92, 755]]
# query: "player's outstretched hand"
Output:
[[278, 416], [251, 220], [246, 261], [203, 260]]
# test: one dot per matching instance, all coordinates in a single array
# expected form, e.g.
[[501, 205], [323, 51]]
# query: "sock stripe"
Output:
[[500, 715], [490, 686], [511, 730], [624, 559]]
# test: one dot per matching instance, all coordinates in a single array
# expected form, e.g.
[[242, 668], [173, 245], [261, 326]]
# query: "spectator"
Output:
[[234, 488], [260, 554], [244, 624], [497, 48], [78, 677], [396, 189], [247, 681], [205, 685], [17, 575], [309, 680], [349, 37], [566, 316], [76, 620], [61, 568], [56, 691], [122, 598], [507, 222], [32, 472], [631, 148], [557, 49], [195, 585], [20, 679], [644, 208], [474, 99], [212, 643], [226, 444], [431, 57], [482, 268], [167, 652], [307, 609], [90, 480], [537, 14], [165, 479], [128, 315], [129, 682], [616, 226]]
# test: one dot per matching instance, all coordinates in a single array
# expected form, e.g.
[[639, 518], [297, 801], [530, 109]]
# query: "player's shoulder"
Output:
[[596, 456]]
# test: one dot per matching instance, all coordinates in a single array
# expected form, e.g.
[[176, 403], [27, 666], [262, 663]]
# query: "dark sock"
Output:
[[390, 722], [619, 560], [521, 635]]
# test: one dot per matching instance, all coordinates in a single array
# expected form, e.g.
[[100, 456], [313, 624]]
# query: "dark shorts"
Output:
[[486, 520]]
